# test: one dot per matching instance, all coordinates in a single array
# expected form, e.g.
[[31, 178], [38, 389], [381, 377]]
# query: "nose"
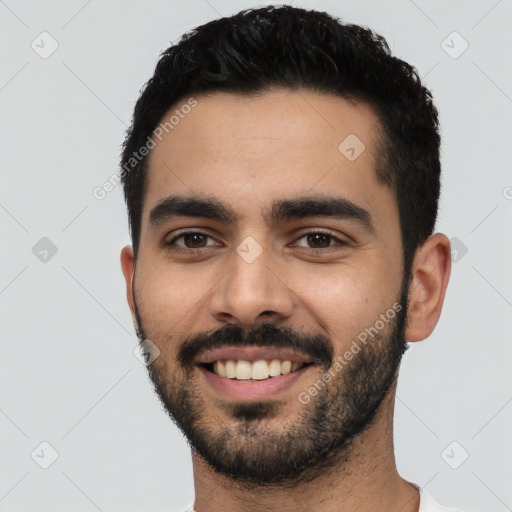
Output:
[[251, 293]]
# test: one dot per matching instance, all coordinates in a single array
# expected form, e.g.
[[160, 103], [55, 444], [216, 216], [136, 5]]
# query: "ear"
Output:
[[429, 279], [127, 265]]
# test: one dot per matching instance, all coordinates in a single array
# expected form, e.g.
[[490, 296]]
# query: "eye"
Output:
[[190, 240], [320, 240]]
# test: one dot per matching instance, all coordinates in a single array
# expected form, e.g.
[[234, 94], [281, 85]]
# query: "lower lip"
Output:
[[247, 390]]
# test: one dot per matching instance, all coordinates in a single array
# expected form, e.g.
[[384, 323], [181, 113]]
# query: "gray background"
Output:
[[68, 373]]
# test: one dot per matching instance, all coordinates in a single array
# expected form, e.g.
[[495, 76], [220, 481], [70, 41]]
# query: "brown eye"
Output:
[[194, 240], [189, 240], [319, 240]]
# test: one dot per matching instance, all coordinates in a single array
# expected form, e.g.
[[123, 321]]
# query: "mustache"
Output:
[[314, 346]]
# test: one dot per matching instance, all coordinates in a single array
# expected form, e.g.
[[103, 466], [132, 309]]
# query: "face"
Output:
[[269, 276]]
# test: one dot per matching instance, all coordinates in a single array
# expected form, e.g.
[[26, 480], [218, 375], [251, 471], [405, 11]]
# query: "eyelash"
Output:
[[170, 244]]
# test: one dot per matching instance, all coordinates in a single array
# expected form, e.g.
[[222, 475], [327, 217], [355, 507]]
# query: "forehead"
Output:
[[249, 151]]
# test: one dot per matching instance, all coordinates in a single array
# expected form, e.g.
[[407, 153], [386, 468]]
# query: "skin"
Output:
[[248, 152]]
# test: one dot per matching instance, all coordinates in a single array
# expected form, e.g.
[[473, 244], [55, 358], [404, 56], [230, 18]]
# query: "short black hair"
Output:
[[282, 46]]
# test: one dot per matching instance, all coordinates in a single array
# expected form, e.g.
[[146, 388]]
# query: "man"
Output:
[[282, 178]]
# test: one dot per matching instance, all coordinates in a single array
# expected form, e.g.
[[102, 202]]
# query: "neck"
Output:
[[367, 481]]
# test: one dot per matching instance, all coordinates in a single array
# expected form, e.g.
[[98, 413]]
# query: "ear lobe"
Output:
[[128, 267], [430, 274]]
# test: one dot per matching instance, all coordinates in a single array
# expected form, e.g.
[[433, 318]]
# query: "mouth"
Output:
[[260, 369], [252, 373]]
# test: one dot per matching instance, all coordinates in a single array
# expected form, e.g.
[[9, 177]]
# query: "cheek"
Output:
[[338, 298], [345, 301], [167, 297]]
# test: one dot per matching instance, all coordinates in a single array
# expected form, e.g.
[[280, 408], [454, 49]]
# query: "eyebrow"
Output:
[[178, 206], [320, 206], [282, 210]]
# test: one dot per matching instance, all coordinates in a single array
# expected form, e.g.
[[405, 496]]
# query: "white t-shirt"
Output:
[[427, 504]]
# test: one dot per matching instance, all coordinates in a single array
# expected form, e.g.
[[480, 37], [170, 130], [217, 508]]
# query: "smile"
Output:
[[256, 370], [252, 373]]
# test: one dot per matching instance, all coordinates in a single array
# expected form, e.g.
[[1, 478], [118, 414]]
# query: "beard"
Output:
[[256, 446]]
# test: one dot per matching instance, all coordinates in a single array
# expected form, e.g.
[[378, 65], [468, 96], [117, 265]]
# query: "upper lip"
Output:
[[251, 354]]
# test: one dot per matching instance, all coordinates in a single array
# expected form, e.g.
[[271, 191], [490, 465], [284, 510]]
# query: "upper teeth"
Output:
[[257, 370]]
